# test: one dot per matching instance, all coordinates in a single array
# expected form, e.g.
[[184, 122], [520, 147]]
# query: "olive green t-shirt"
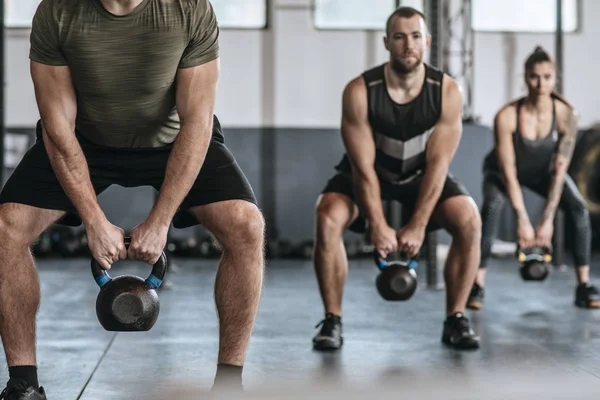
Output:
[[124, 68]]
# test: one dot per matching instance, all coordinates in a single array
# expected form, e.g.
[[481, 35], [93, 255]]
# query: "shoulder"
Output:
[[60, 5], [452, 98], [566, 114], [507, 115], [355, 88], [450, 88], [59, 10], [196, 6]]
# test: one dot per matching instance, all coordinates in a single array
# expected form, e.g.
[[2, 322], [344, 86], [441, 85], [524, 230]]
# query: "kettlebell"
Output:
[[397, 280], [128, 303], [534, 263]]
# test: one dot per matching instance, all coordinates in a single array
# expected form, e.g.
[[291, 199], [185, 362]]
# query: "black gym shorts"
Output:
[[406, 194], [34, 183]]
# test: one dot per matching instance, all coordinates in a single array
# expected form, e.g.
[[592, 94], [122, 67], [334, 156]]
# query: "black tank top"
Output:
[[400, 131], [533, 158]]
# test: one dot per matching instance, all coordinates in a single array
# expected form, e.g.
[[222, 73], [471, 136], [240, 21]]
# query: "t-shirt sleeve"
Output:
[[204, 42], [44, 38]]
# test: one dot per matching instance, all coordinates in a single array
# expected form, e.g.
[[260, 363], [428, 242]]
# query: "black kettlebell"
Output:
[[397, 280], [534, 263], [128, 303]]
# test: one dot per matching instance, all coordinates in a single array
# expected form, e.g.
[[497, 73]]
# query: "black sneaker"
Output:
[[458, 333], [475, 301], [330, 337], [20, 391], [587, 296]]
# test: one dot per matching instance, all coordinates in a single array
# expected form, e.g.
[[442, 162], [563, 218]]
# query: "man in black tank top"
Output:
[[401, 125], [534, 141]]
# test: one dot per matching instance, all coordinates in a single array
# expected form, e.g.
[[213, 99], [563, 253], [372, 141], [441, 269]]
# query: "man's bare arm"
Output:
[[505, 153], [566, 145], [196, 93], [441, 147], [360, 147], [57, 104]]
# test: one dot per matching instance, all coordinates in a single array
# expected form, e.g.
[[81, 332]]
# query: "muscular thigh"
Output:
[[457, 214], [26, 223], [337, 204], [232, 222]]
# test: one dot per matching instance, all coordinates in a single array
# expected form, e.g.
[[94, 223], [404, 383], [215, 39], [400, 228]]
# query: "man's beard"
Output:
[[400, 68]]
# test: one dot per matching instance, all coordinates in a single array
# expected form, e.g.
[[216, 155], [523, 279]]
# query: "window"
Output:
[[241, 14], [358, 14], [353, 14], [19, 13], [522, 16], [245, 14]]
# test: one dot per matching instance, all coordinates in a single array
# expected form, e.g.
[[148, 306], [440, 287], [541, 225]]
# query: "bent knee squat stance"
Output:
[[577, 216], [239, 227], [401, 124], [334, 213], [534, 140], [20, 225], [143, 134]]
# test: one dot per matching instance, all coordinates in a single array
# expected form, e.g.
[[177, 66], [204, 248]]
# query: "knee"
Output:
[[247, 228], [11, 229], [330, 222], [468, 227]]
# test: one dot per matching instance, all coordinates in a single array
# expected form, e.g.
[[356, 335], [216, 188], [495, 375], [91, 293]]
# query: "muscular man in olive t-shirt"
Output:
[[126, 92]]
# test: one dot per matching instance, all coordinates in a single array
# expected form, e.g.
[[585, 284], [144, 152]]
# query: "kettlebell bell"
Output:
[[534, 263], [128, 303], [397, 280]]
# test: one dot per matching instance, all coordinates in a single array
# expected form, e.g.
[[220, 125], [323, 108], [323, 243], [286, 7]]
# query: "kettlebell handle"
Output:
[[528, 250], [382, 263], [155, 278], [524, 253]]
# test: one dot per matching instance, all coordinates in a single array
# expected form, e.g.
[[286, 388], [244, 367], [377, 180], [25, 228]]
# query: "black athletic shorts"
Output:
[[406, 194], [34, 183]]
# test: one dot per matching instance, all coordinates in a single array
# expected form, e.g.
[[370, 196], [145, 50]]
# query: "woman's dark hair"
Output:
[[540, 55]]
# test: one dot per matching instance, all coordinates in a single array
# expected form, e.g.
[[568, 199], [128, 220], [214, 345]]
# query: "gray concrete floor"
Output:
[[530, 332]]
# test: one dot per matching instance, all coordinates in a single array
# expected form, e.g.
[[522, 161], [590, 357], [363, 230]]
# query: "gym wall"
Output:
[[279, 101], [292, 75]]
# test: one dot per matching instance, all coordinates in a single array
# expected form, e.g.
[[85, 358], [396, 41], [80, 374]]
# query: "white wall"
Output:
[[292, 75]]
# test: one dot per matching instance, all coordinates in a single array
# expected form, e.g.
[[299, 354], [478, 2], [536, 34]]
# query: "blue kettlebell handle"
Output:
[[155, 279], [382, 263]]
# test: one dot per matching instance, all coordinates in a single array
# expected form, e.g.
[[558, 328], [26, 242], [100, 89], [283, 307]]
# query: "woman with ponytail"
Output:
[[534, 140]]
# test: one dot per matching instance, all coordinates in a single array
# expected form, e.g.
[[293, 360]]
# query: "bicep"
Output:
[[55, 95], [196, 91], [356, 131], [446, 134], [567, 138]]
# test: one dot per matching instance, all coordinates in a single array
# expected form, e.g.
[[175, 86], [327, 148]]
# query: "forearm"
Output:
[[369, 194], [184, 164], [554, 193], [515, 196], [71, 169], [429, 194]]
